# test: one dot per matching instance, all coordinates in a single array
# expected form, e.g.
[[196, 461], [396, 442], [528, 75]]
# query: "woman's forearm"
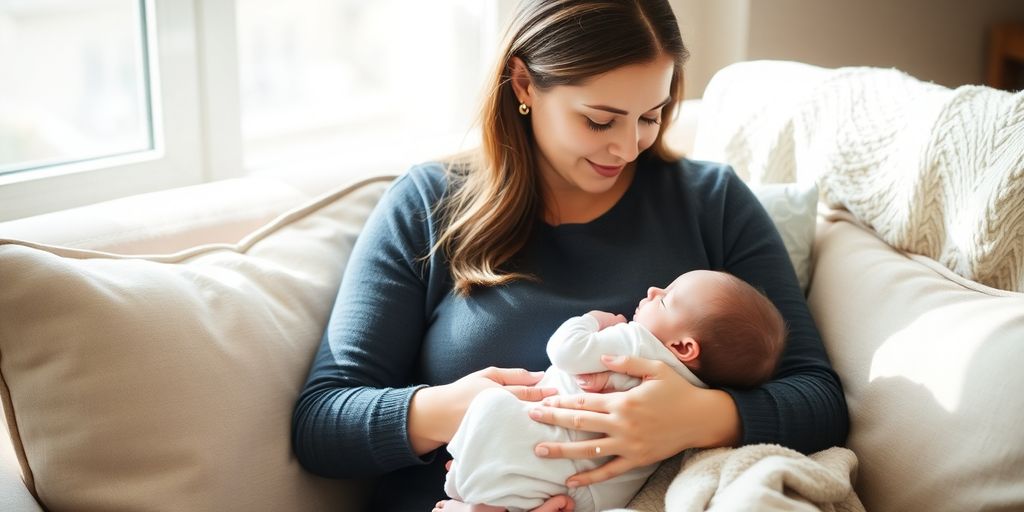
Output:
[[429, 428], [722, 418]]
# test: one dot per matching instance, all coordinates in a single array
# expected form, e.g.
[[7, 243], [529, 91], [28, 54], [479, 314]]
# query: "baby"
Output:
[[710, 327]]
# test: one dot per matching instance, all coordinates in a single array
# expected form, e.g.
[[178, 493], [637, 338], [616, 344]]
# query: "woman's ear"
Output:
[[686, 350], [522, 84]]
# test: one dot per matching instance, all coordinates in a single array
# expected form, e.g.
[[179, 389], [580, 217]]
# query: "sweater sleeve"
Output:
[[351, 417], [803, 407]]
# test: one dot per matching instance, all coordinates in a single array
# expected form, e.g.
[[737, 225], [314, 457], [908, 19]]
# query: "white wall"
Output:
[[939, 40]]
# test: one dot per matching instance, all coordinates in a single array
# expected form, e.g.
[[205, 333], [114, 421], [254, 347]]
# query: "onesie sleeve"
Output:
[[577, 345]]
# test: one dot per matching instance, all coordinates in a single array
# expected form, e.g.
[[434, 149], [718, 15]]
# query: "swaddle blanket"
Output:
[[762, 477], [934, 171]]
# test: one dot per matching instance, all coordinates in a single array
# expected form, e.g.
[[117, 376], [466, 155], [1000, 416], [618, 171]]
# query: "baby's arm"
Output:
[[606, 319], [577, 346]]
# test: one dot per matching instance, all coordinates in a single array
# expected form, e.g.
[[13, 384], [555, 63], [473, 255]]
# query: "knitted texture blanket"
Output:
[[754, 477], [934, 171]]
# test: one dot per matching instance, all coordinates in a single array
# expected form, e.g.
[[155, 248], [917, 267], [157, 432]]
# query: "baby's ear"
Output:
[[686, 349]]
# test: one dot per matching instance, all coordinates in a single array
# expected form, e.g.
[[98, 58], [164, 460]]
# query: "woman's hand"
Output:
[[606, 320], [661, 417], [559, 503], [435, 412]]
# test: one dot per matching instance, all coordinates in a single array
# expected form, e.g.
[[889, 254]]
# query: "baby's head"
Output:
[[720, 327]]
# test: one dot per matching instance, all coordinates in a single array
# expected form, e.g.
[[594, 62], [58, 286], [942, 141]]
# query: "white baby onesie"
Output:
[[494, 463]]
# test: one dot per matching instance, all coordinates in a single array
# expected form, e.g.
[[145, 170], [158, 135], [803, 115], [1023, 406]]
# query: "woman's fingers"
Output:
[[530, 393], [585, 402], [512, 376], [559, 503], [590, 449], [612, 469], [574, 419], [635, 366]]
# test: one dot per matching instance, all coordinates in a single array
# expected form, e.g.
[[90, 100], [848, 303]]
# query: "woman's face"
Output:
[[587, 134]]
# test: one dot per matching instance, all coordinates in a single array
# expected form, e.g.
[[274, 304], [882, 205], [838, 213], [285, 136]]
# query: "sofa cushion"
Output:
[[168, 382], [931, 366]]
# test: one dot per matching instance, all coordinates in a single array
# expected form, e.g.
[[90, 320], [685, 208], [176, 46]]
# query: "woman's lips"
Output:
[[608, 171]]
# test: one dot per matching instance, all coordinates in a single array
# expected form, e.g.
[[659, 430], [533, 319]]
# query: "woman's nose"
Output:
[[627, 145]]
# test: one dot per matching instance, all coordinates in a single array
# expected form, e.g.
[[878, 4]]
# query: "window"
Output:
[[339, 81], [80, 91], [119, 97], [99, 101]]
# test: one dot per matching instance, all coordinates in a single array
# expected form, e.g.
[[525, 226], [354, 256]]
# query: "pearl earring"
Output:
[[524, 109]]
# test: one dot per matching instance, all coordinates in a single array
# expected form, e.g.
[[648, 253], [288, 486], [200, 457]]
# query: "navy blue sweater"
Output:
[[396, 324]]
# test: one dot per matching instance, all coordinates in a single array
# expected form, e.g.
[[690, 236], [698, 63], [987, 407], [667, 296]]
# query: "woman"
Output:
[[572, 203]]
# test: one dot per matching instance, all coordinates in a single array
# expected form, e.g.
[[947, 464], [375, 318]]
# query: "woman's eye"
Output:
[[598, 127]]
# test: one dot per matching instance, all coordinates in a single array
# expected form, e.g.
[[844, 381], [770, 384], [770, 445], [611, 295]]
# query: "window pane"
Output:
[[350, 77], [74, 85]]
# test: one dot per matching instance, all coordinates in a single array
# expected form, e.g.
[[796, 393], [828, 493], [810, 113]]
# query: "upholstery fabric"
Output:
[[930, 363]]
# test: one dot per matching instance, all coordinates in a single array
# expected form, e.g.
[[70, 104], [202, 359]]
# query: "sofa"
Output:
[[151, 347]]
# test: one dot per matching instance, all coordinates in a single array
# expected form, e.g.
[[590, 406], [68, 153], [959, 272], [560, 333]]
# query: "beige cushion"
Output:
[[932, 369], [168, 382]]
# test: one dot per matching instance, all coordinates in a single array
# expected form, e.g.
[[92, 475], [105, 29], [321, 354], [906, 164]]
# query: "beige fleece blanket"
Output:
[[757, 477], [934, 171]]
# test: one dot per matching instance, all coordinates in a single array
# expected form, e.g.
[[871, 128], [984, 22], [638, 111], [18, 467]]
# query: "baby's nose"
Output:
[[651, 292]]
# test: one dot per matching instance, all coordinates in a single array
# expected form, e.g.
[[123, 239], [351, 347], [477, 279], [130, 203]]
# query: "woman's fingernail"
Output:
[[541, 451], [611, 359], [535, 414], [550, 402], [573, 484], [549, 392]]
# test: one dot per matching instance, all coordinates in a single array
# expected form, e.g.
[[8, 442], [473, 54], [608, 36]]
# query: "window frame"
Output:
[[192, 64], [175, 158]]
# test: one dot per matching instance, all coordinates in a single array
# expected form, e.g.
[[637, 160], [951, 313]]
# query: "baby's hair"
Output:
[[741, 336]]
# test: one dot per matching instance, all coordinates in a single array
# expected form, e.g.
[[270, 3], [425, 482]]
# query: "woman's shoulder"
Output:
[[425, 182], [700, 177], [431, 175]]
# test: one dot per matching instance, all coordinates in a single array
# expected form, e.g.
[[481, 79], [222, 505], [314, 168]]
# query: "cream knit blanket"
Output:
[[934, 171], [763, 477]]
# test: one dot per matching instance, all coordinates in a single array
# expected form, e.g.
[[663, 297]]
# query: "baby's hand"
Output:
[[595, 382], [605, 319]]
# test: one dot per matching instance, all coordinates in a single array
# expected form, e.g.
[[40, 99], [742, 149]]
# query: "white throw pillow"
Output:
[[168, 382], [794, 209], [931, 367]]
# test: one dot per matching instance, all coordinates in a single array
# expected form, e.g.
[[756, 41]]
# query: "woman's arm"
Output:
[[803, 406], [358, 414], [351, 417]]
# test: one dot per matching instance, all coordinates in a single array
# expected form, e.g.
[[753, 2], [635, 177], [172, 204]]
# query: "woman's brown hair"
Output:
[[495, 196]]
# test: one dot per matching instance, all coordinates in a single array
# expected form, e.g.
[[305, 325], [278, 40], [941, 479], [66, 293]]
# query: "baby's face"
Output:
[[669, 312]]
